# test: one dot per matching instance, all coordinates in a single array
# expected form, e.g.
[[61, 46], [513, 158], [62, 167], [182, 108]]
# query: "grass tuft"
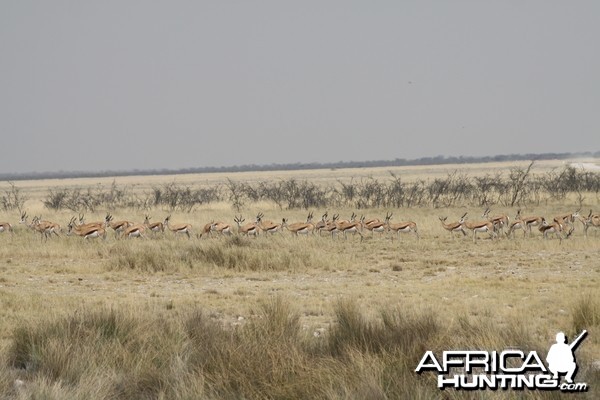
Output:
[[586, 312]]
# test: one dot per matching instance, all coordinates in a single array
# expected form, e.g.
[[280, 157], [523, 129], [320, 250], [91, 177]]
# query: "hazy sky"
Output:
[[119, 85]]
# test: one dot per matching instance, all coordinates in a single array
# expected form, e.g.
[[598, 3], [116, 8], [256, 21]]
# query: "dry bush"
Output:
[[13, 198], [518, 187], [173, 196]]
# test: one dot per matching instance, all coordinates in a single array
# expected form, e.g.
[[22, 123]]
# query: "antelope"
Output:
[[375, 225], [303, 228], [6, 227], [480, 226], [370, 220], [49, 227], [181, 228], [89, 225], [529, 222], [118, 226], [353, 227], [269, 226], [45, 228], [207, 230], [85, 231], [321, 224], [222, 228], [219, 227], [402, 227], [347, 221], [259, 217], [452, 227], [24, 218], [499, 221], [154, 226], [555, 227], [134, 231], [33, 225], [517, 224], [567, 219], [331, 226], [249, 229], [592, 220]]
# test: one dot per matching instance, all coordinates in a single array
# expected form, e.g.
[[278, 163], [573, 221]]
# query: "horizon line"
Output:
[[398, 162]]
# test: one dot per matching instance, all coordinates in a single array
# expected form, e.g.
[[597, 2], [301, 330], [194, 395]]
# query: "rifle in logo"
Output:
[[560, 357]]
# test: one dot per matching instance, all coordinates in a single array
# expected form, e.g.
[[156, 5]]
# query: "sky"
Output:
[[123, 85]]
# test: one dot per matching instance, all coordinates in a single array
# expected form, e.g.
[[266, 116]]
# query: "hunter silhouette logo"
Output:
[[508, 369], [560, 356]]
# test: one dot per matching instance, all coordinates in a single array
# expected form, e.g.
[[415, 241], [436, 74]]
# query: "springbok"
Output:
[[246, 230], [555, 227], [154, 226], [181, 228], [567, 219], [6, 227], [452, 227], [118, 226], [529, 222], [221, 228], [402, 227], [499, 221], [268, 226], [44, 228], [134, 231], [207, 230], [480, 226], [86, 232], [592, 220], [303, 228], [376, 225], [352, 226], [320, 225]]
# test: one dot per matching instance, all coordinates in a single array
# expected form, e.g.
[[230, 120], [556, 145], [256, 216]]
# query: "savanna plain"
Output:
[[281, 316]]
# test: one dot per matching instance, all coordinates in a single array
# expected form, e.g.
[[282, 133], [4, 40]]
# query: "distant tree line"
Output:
[[398, 162], [518, 188]]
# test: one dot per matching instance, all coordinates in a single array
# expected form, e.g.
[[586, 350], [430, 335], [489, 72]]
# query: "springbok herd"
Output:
[[562, 226]]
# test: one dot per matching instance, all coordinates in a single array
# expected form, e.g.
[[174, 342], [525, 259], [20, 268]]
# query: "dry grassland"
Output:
[[492, 294]]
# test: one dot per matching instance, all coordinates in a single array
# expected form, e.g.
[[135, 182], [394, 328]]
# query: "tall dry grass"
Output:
[[128, 354]]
